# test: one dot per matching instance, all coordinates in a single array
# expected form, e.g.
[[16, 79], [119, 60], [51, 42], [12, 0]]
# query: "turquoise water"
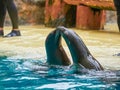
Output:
[[22, 62], [23, 74]]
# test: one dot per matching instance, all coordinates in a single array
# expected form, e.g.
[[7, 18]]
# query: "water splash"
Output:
[[36, 74]]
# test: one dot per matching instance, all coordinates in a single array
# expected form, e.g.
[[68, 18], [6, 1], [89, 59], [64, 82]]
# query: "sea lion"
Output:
[[79, 52], [56, 54]]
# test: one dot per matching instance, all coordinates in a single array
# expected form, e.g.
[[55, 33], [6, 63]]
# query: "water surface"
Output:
[[22, 61]]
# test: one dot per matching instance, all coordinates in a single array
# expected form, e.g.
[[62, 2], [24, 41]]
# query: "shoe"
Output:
[[1, 33], [13, 33]]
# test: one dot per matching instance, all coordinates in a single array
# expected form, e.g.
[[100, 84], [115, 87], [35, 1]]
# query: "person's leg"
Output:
[[2, 16], [117, 5], [12, 10]]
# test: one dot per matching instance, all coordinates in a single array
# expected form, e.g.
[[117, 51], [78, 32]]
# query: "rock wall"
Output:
[[29, 12], [111, 17], [32, 12]]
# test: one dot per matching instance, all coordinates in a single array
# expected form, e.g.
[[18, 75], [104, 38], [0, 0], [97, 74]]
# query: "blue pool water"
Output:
[[22, 74]]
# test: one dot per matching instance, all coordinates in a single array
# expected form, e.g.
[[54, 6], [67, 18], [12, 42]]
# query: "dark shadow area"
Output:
[[71, 17]]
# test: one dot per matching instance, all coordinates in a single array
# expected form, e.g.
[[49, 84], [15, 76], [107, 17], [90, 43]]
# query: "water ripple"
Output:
[[16, 74]]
